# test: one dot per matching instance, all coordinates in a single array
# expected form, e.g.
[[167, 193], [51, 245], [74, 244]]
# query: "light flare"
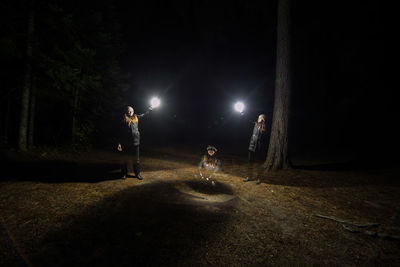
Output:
[[155, 102], [239, 106]]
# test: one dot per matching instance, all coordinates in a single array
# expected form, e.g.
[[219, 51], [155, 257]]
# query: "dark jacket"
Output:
[[258, 140], [130, 135]]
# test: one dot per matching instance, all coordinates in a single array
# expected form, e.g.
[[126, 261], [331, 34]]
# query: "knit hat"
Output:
[[212, 148]]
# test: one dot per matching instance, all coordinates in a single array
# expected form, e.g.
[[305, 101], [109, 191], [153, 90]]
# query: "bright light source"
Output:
[[239, 106], [155, 102]]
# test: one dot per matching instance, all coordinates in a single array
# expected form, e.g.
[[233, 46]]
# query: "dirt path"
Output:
[[73, 210]]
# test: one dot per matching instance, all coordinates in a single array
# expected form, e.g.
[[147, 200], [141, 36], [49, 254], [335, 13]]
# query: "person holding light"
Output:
[[129, 141], [257, 147]]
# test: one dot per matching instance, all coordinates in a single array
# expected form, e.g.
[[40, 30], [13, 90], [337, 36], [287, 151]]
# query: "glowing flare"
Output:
[[239, 107], [155, 102]]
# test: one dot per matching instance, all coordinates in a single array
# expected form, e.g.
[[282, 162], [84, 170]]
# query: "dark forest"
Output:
[[320, 171]]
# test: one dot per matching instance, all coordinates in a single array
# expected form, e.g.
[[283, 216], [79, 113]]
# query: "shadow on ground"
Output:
[[346, 174], [207, 188], [317, 180], [153, 225], [355, 165], [59, 171]]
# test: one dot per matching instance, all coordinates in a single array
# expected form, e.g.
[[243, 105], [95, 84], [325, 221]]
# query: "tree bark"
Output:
[[24, 115], [7, 122], [75, 108], [277, 156], [32, 107]]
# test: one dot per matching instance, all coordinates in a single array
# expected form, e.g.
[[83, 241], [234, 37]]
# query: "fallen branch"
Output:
[[382, 235], [352, 230], [347, 222], [361, 225]]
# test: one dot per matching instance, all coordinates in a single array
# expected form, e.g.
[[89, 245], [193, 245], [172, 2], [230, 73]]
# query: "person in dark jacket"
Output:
[[257, 147], [129, 142]]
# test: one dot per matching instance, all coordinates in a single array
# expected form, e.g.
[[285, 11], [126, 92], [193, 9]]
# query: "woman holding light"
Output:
[[257, 147], [129, 139]]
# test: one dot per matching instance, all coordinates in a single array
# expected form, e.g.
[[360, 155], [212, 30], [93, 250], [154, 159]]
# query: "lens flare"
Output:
[[239, 106], [155, 102]]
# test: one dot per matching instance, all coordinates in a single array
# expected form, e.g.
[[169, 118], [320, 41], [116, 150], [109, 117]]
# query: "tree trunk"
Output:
[[75, 108], [7, 122], [32, 104], [277, 156], [23, 126]]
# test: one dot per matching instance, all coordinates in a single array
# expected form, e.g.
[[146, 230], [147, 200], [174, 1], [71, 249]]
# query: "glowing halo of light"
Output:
[[239, 106], [155, 102]]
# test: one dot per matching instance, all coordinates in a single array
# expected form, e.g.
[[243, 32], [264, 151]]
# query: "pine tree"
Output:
[[277, 156]]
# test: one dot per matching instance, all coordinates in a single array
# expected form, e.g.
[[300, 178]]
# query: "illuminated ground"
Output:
[[69, 210]]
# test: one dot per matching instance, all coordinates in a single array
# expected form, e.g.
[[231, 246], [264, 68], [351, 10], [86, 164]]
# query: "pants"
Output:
[[257, 156], [131, 160], [255, 160]]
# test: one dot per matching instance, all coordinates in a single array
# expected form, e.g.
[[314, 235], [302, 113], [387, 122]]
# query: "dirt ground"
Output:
[[64, 209]]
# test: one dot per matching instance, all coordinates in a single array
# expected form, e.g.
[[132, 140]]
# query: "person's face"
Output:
[[261, 119], [211, 152], [130, 112]]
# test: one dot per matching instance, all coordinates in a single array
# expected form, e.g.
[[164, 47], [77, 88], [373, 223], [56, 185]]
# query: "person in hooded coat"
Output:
[[129, 141], [257, 148]]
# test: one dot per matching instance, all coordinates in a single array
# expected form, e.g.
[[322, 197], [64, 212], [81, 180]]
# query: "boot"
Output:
[[136, 169], [258, 181], [124, 171]]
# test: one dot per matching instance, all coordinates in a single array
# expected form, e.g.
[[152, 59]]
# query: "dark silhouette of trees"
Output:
[[71, 60], [26, 89], [277, 156]]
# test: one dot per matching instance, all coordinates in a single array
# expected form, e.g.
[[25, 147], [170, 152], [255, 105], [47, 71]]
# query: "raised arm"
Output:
[[144, 114]]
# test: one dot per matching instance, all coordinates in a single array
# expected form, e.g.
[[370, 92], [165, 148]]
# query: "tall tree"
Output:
[[32, 107], [24, 115], [277, 156]]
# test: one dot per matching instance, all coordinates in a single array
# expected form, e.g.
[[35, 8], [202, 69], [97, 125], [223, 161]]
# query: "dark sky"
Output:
[[201, 56]]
